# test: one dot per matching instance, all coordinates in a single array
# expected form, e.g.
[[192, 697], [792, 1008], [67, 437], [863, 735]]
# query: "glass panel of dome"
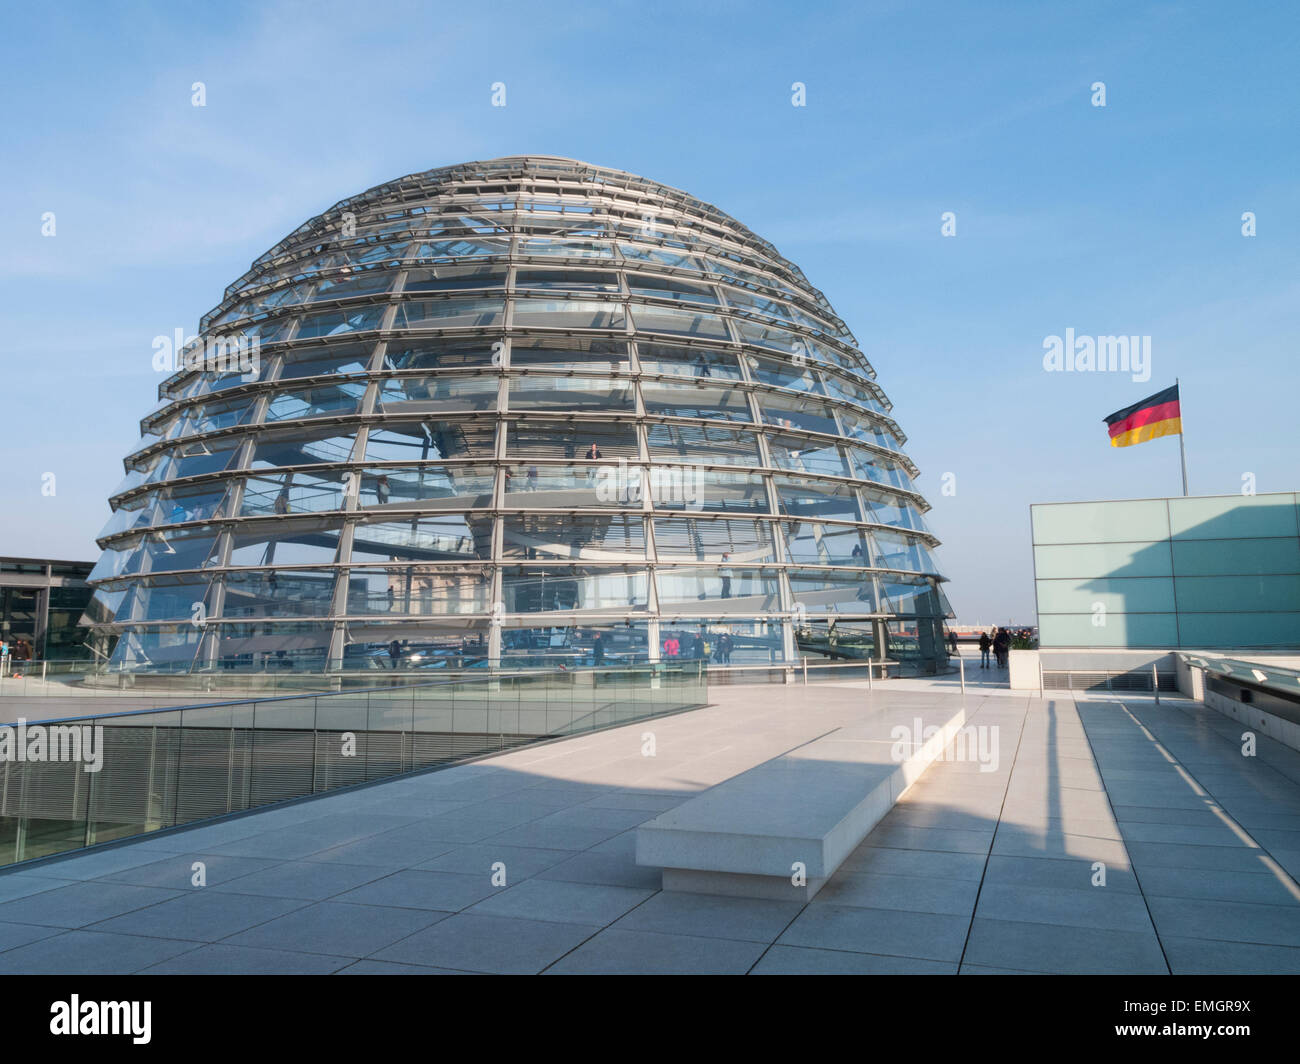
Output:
[[621, 643], [578, 486], [816, 324], [208, 417], [672, 399], [571, 439], [448, 353], [417, 591], [661, 256], [686, 589], [664, 233], [567, 314], [429, 439], [450, 314], [898, 551], [699, 362], [288, 541], [161, 427], [853, 392], [481, 247], [695, 488], [703, 444], [788, 412], [754, 640], [538, 391], [387, 229], [550, 536], [545, 247], [799, 378], [829, 590], [640, 284], [288, 296], [118, 559], [854, 363], [862, 427], [867, 465], [825, 543], [389, 254], [455, 278], [445, 537], [291, 447], [182, 388], [456, 643], [102, 607], [164, 600], [271, 647], [342, 286], [304, 491], [804, 497], [572, 228], [801, 456], [710, 538], [752, 303], [597, 356], [209, 383], [436, 487], [300, 268], [413, 396], [346, 359], [769, 336], [303, 267], [553, 204], [891, 510], [648, 319], [194, 459], [136, 512], [908, 597], [266, 332], [465, 225], [176, 549], [338, 322], [198, 503], [321, 401], [159, 647], [746, 277], [572, 588], [566, 280]]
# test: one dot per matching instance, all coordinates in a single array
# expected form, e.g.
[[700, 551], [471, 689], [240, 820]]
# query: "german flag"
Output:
[[1155, 416]]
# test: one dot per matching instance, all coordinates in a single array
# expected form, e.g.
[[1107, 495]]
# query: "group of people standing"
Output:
[[701, 647], [18, 649], [999, 643], [13, 652]]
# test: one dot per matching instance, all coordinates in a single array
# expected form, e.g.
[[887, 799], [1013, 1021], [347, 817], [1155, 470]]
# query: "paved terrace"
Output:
[[971, 872]]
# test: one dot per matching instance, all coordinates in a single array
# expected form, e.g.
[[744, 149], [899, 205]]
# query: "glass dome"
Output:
[[519, 413]]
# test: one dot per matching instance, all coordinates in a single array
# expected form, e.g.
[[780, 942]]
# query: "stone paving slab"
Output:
[[525, 862]]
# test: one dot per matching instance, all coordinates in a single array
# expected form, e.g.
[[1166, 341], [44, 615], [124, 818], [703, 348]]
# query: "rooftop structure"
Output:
[[518, 413]]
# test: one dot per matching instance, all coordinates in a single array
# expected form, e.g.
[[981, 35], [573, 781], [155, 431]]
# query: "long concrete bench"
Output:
[[781, 829]]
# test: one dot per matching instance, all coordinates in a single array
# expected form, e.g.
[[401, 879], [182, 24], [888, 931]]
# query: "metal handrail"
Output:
[[1267, 677]]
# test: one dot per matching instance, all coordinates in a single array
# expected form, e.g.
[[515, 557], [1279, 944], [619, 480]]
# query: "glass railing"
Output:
[[66, 678], [73, 782]]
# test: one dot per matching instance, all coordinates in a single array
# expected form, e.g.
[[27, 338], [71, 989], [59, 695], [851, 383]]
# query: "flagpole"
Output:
[[1182, 450]]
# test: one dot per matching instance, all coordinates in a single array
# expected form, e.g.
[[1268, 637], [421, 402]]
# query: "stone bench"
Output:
[[812, 806]]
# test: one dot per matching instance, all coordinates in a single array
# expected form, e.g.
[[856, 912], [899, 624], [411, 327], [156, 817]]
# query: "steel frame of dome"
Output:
[[597, 404]]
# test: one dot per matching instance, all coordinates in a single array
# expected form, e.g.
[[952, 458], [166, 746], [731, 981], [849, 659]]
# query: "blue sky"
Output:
[[1117, 220]]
